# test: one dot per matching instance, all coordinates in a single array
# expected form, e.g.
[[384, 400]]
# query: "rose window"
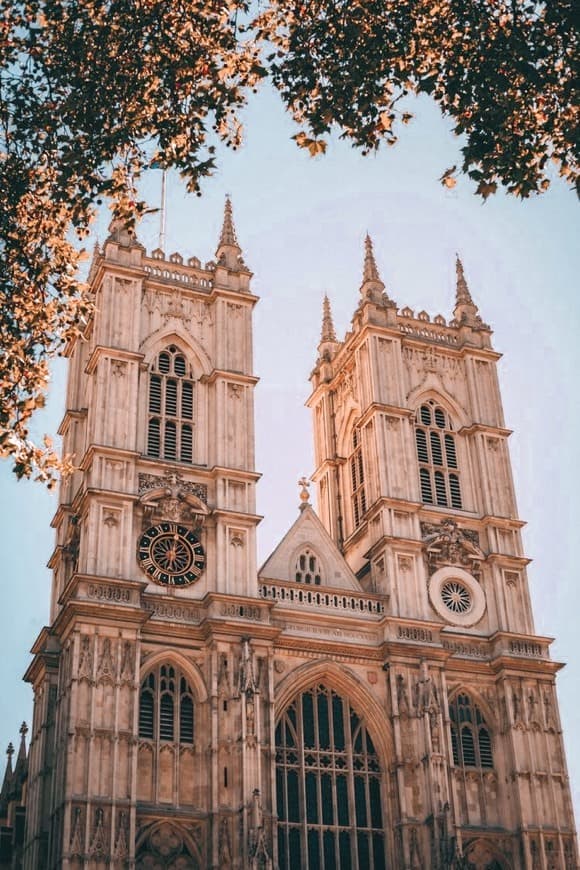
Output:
[[455, 596]]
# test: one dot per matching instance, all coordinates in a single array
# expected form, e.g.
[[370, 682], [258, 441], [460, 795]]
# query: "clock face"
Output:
[[171, 554]]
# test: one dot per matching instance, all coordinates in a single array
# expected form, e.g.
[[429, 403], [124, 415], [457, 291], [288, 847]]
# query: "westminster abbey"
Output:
[[374, 696]]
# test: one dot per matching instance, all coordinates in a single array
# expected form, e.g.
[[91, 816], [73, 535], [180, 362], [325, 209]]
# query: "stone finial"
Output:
[[372, 288], [23, 733], [10, 752], [304, 483], [465, 310], [327, 333]]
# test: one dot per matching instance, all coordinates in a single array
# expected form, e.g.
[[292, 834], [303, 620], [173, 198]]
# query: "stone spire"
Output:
[[228, 252], [328, 344], [228, 236], [372, 288], [22, 749], [328, 333], [7, 783], [465, 310]]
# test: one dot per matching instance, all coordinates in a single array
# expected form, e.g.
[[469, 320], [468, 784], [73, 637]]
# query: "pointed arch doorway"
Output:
[[328, 786]]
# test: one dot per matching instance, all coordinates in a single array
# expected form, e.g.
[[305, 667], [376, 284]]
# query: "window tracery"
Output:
[[328, 786], [470, 734], [437, 457], [308, 568], [170, 407], [166, 710]]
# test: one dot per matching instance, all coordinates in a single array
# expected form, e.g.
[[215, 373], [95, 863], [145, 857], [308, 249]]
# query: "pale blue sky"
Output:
[[301, 223]]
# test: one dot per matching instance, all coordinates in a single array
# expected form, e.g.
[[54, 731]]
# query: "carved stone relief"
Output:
[[85, 669], [446, 544]]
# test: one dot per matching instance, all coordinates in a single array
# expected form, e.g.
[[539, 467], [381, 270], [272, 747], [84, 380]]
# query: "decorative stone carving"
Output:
[[225, 852], [517, 708], [72, 547], [425, 693], [259, 857], [533, 708], [85, 671], [416, 860], [76, 848], [111, 518], [548, 710], [127, 662], [154, 481], [224, 684], [447, 544], [122, 841], [106, 667], [118, 368], [402, 697], [170, 498], [98, 844], [249, 678]]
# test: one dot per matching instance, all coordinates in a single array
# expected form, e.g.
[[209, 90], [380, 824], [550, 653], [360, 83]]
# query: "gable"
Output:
[[307, 554]]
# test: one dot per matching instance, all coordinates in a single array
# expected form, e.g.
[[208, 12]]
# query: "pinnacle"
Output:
[[228, 235], [462, 294], [328, 333], [372, 288], [370, 272]]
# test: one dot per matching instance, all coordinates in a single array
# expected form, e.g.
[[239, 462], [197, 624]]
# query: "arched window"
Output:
[[357, 479], [308, 568], [170, 408], [437, 457], [166, 706], [328, 787], [470, 736]]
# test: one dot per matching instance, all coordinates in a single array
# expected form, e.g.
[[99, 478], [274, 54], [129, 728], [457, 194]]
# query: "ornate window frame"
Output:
[[436, 450], [171, 405], [329, 784], [474, 606]]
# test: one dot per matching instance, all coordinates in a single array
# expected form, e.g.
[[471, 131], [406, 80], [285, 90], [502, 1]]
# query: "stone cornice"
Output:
[[69, 415], [230, 376], [381, 408], [117, 352], [486, 429], [106, 450]]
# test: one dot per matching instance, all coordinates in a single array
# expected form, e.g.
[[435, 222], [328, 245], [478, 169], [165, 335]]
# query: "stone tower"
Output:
[[372, 697]]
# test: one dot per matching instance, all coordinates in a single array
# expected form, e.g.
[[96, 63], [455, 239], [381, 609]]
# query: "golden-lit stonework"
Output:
[[374, 696]]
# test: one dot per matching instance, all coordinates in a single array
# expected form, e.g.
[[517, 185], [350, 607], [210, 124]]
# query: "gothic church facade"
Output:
[[375, 695]]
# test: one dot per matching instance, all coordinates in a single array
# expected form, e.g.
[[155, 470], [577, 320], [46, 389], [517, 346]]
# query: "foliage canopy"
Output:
[[93, 92]]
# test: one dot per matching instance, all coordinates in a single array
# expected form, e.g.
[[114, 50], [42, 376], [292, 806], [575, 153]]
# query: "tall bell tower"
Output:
[[159, 516], [414, 486]]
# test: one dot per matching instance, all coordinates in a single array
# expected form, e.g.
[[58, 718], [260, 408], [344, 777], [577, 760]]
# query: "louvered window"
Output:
[[171, 408], [166, 709], [357, 479], [437, 457], [470, 735]]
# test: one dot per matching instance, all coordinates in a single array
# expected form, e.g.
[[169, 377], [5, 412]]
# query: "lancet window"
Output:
[[470, 734], [308, 568], [328, 786], [437, 457], [170, 407], [166, 710], [357, 479]]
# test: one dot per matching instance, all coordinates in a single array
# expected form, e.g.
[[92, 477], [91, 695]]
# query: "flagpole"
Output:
[[162, 216]]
